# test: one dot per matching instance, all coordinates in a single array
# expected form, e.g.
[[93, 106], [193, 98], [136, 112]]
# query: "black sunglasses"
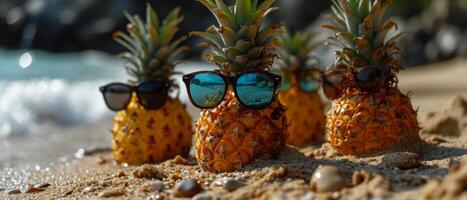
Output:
[[151, 94], [253, 89], [367, 79]]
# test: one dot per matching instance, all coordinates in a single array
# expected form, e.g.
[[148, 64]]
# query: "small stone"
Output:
[[327, 179], [89, 189], [33, 189], [112, 193], [149, 172], [157, 197], [42, 185], [80, 153], [155, 186], [308, 196], [229, 183], [120, 174], [187, 188], [101, 160], [402, 160], [13, 191], [202, 196], [66, 193], [359, 177], [181, 161]]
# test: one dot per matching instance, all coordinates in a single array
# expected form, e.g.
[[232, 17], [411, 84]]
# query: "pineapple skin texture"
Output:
[[361, 124], [142, 136], [305, 113], [230, 136]]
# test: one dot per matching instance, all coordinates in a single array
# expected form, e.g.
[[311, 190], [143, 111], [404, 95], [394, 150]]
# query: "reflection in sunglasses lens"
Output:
[[255, 90], [370, 79], [207, 90], [117, 96], [152, 94]]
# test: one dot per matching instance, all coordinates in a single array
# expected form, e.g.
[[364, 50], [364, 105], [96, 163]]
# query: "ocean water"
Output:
[[40, 91]]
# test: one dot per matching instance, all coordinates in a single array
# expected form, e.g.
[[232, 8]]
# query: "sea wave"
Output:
[[35, 106]]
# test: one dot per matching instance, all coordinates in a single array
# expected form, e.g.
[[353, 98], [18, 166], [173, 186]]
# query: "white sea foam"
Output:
[[34, 106]]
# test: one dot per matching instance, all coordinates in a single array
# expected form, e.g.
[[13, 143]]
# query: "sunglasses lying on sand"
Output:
[[367, 79], [151, 95], [254, 89]]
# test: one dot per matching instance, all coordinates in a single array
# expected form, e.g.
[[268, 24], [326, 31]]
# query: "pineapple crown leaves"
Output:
[[295, 50], [362, 29], [151, 46], [238, 43]]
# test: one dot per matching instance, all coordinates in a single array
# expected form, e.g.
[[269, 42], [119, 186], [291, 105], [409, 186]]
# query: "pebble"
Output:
[[42, 185], [120, 174], [402, 160], [202, 196], [179, 160], [33, 189], [149, 172], [157, 186], [327, 179], [308, 196], [157, 197], [13, 191], [89, 189], [112, 193], [229, 184], [187, 188]]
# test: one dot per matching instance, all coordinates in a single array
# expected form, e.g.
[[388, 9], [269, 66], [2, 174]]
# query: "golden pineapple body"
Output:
[[148, 136], [361, 123], [231, 136], [305, 112]]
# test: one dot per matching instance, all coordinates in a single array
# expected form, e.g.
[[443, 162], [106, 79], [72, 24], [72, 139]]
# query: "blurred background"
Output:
[[54, 54]]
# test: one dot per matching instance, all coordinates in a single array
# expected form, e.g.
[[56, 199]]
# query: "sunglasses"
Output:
[[254, 89], [307, 81], [151, 95], [367, 79]]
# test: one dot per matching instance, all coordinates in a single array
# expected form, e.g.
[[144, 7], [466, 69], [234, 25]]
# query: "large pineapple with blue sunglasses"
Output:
[[140, 134], [300, 83], [241, 119]]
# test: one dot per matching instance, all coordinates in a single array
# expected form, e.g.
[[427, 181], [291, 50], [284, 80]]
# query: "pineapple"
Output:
[[304, 110], [231, 136], [360, 123], [146, 136]]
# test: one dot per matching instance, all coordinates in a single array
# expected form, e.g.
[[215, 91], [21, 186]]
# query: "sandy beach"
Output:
[[438, 171]]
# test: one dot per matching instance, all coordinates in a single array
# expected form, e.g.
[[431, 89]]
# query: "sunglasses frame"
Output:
[[349, 76], [134, 89], [232, 80]]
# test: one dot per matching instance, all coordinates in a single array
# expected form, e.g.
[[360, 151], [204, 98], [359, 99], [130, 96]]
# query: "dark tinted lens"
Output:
[[152, 94], [255, 90], [333, 83], [117, 96], [309, 83], [370, 79], [207, 90], [285, 83]]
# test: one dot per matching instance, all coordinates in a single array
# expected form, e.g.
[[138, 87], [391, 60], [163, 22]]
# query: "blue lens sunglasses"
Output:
[[253, 89]]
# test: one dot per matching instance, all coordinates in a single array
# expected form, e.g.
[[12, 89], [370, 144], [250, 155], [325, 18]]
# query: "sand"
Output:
[[438, 171]]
